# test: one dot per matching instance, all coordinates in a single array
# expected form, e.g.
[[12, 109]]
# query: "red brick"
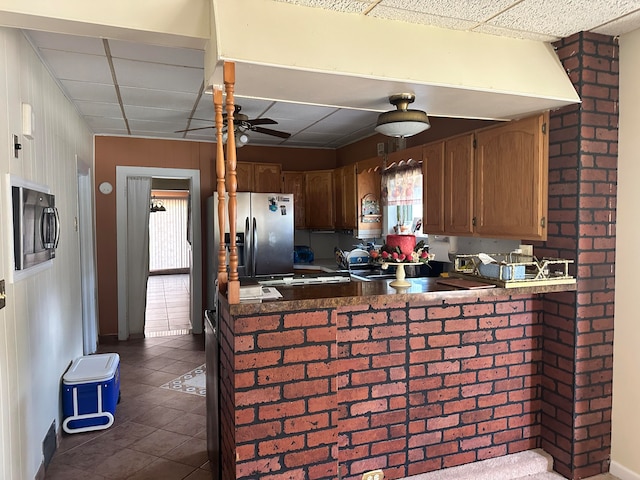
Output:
[[256, 360], [251, 324], [281, 445], [492, 426], [289, 373], [263, 465], [281, 410], [258, 431], [441, 423], [257, 396], [306, 423], [306, 354], [391, 360], [363, 408], [280, 339], [381, 448], [460, 406], [435, 341], [443, 312], [306, 388], [306, 319], [389, 331], [480, 309], [436, 368], [475, 442], [468, 351], [458, 459], [388, 389], [460, 325], [307, 457]]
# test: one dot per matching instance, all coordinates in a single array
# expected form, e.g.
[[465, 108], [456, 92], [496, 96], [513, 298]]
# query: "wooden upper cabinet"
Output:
[[344, 179], [258, 177], [433, 188], [267, 178], [458, 184], [293, 182], [511, 180], [319, 211], [244, 176], [368, 207]]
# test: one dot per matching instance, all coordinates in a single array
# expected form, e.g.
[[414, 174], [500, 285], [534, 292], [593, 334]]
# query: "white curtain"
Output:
[[138, 205], [402, 186]]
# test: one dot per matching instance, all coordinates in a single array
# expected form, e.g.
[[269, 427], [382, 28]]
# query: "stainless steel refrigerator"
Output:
[[264, 234]]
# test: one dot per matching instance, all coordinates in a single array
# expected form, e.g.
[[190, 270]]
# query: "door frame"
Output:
[[88, 269], [195, 271]]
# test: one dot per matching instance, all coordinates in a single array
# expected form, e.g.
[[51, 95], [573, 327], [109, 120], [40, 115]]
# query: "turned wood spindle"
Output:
[[220, 174], [229, 74]]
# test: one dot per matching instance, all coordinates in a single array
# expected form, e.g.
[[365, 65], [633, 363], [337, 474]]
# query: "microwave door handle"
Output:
[[45, 222], [57, 217]]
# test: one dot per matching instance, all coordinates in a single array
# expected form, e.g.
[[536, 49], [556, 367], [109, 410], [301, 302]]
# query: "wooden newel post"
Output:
[[220, 175], [233, 289]]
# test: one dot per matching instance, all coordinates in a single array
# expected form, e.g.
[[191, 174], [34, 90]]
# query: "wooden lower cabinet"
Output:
[[319, 211]]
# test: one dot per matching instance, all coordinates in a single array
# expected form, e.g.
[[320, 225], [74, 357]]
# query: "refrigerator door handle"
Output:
[[254, 257], [248, 257]]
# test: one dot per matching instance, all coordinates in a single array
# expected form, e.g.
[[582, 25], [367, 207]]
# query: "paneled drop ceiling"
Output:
[[124, 88]]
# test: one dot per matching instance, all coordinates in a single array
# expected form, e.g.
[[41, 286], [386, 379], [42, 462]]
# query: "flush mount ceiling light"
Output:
[[402, 122]]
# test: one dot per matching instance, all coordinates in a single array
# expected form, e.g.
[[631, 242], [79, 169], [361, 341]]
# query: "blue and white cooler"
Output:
[[91, 388]]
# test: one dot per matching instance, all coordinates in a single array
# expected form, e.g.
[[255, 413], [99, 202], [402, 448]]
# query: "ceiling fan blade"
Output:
[[268, 131], [262, 121], [192, 129]]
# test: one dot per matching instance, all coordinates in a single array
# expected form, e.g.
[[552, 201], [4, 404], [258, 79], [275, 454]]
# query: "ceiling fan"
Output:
[[243, 123]]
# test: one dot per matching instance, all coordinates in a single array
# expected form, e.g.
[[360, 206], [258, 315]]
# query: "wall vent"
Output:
[[49, 444]]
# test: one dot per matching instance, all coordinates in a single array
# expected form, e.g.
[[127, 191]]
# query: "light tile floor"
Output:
[[168, 306], [158, 433]]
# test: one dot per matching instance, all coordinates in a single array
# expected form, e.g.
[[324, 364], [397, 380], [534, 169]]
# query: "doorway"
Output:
[[194, 233], [168, 288]]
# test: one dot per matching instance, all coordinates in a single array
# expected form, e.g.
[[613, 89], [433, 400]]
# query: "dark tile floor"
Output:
[[158, 433]]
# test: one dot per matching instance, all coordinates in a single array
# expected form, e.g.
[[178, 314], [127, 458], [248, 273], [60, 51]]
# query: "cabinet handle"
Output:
[[473, 221], [543, 222]]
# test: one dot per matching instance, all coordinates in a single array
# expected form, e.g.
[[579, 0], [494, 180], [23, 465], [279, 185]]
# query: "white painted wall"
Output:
[[41, 325], [626, 354]]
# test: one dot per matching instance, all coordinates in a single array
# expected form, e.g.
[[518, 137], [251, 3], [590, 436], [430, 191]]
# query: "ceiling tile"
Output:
[[344, 6], [78, 66], [155, 114], [68, 43], [625, 24], [96, 92], [186, 57], [96, 109], [465, 10], [562, 19], [98, 124], [423, 18], [155, 76], [145, 97], [506, 32]]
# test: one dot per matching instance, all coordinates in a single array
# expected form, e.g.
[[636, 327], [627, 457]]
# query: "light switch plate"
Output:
[[2, 294]]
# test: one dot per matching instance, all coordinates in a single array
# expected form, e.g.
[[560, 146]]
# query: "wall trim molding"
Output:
[[623, 473]]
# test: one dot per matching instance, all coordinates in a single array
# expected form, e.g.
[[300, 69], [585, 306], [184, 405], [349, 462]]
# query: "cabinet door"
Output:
[[319, 199], [458, 185], [293, 182], [433, 188], [244, 176], [267, 178], [345, 197], [368, 183], [512, 180]]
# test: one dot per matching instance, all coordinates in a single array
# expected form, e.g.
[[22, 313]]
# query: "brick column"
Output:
[[578, 326]]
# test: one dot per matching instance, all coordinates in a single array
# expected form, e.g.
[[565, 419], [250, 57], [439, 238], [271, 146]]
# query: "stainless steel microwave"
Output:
[[36, 227]]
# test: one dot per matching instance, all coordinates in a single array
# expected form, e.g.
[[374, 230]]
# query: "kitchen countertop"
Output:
[[422, 290]]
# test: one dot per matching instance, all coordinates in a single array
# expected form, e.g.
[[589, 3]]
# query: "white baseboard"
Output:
[[623, 473]]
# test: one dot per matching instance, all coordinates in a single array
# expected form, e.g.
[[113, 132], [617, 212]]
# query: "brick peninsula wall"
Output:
[[578, 326], [405, 387]]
